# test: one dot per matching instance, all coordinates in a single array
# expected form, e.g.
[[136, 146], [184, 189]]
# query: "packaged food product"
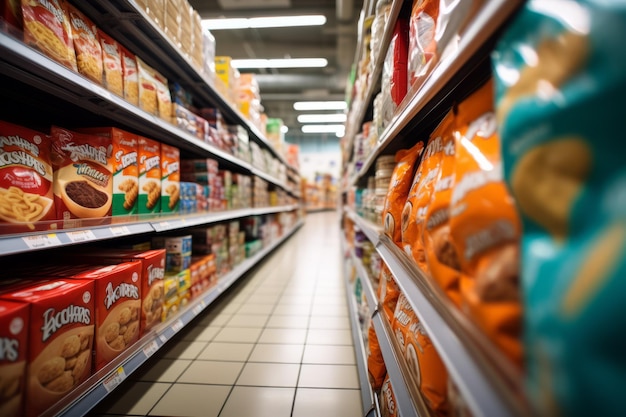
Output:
[[14, 325], [400, 54], [149, 161], [170, 178], [420, 194], [83, 186], [171, 302], [112, 64], [47, 28], [177, 250], [485, 227], [11, 12], [406, 160], [422, 43], [131, 76], [26, 178], [375, 363], [125, 170], [388, 292], [441, 254], [422, 359], [559, 73], [61, 335], [117, 301], [388, 402], [86, 45], [164, 99], [147, 88]]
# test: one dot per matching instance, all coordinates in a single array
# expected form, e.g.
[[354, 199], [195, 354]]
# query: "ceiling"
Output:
[[280, 88]]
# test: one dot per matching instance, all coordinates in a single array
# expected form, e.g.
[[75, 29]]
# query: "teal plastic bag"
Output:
[[560, 76]]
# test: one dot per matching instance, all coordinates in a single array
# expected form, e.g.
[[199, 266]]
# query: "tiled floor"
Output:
[[279, 344]]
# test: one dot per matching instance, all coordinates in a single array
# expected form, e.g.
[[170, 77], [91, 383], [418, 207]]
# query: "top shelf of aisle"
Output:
[[484, 25], [128, 23]]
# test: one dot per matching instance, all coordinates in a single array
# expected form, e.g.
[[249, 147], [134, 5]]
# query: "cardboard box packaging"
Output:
[[14, 325], [149, 161]]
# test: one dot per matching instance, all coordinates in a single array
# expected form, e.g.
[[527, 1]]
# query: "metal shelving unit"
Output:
[[98, 386], [371, 230]]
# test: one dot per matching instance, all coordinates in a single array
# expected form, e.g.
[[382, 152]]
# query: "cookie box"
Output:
[[14, 326]]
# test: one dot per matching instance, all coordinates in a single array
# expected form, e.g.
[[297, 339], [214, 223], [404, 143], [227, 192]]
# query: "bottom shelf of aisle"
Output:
[[99, 385], [368, 397]]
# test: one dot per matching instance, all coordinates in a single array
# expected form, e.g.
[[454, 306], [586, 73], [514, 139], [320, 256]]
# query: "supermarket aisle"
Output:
[[278, 345]]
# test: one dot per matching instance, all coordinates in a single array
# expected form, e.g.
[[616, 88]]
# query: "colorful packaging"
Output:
[[171, 302], [11, 12], [26, 179], [83, 186], [61, 335], [131, 76], [441, 254], [422, 43], [485, 227], [125, 170], [559, 73], [47, 28], [149, 161], [147, 88], [375, 363], [400, 42], [117, 300], [112, 62], [421, 192], [86, 44], [170, 178], [388, 292], [177, 250], [14, 325], [399, 185], [164, 99], [388, 402]]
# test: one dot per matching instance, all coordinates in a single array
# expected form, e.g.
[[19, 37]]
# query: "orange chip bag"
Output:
[[422, 43], [375, 363], [441, 254], [388, 402], [415, 209], [86, 45], [112, 62], [388, 291], [47, 28], [424, 364], [485, 227], [399, 189]]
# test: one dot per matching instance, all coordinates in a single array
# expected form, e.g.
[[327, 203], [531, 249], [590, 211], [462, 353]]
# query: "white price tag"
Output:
[[163, 338], [114, 379], [203, 304], [177, 325], [119, 230], [197, 310], [151, 348], [42, 241], [81, 236], [164, 225]]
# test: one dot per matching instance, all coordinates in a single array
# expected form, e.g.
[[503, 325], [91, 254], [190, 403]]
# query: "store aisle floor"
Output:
[[279, 344]]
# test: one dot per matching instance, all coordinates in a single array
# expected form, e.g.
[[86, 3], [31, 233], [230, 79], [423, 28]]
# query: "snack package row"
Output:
[[559, 70], [451, 212], [83, 177]]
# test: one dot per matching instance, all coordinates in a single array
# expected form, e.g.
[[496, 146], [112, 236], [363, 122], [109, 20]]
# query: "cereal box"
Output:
[[47, 28], [112, 59], [26, 177], [131, 77], [14, 324], [60, 336], [125, 170], [170, 178], [117, 303], [149, 158], [177, 251], [86, 44], [83, 185]]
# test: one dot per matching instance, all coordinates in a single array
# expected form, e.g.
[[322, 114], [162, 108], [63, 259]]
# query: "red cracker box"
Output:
[[61, 333], [14, 326], [117, 303], [152, 273]]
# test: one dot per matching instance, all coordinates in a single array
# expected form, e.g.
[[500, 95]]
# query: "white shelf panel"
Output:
[[98, 386]]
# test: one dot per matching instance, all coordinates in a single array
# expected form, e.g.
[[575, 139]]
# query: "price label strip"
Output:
[[177, 326], [41, 241], [197, 310], [151, 348], [115, 379], [81, 236], [119, 230]]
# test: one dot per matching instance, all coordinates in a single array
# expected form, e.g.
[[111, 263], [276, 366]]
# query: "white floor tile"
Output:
[[327, 402], [269, 374], [328, 376], [287, 322], [238, 352], [329, 337], [183, 350], [284, 336], [189, 400], [211, 372], [135, 399], [248, 320], [328, 355], [238, 334], [164, 370], [259, 402], [276, 353]]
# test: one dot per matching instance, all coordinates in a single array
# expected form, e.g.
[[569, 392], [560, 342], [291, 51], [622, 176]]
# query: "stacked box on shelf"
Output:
[[197, 43], [257, 157], [171, 20], [154, 9], [190, 122], [260, 196], [228, 75], [214, 118], [274, 133], [227, 195], [249, 98], [185, 29], [208, 56]]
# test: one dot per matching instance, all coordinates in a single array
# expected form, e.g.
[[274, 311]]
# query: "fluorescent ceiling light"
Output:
[[323, 128], [280, 63], [320, 105], [284, 129], [322, 118], [263, 22]]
